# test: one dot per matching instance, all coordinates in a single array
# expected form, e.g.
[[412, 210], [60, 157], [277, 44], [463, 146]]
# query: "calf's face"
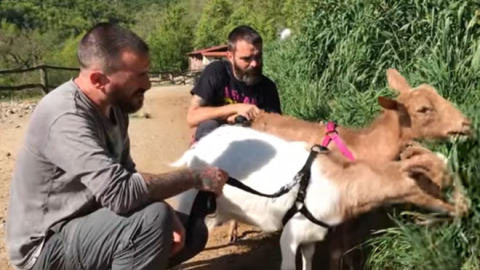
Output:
[[424, 111]]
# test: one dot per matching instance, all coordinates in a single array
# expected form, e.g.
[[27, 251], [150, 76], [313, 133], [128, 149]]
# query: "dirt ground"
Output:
[[156, 141]]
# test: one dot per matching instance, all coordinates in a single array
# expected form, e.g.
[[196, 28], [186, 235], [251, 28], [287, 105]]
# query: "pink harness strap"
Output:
[[338, 141]]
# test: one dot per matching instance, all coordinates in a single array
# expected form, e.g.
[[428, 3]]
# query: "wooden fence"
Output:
[[174, 77]]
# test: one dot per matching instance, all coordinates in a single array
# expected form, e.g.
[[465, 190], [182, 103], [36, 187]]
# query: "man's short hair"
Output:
[[104, 44], [243, 32]]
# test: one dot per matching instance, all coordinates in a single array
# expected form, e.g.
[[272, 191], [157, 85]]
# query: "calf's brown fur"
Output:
[[417, 113]]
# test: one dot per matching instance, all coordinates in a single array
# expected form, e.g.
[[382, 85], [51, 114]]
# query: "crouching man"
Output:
[[77, 200]]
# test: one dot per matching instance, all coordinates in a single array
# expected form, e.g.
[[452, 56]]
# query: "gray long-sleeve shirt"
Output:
[[73, 161]]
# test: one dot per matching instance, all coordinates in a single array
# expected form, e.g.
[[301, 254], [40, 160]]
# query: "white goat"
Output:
[[337, 189]]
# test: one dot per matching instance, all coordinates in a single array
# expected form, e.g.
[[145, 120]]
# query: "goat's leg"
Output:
[[288, 247], [299, 231], [433, 203], [308, 250], [233, 231], [413, 149]]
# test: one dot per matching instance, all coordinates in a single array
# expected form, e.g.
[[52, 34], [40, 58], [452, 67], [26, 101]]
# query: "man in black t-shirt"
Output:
[[232, 87]]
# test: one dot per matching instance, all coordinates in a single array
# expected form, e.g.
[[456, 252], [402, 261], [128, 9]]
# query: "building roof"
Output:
[[211, 51], [215, 54]]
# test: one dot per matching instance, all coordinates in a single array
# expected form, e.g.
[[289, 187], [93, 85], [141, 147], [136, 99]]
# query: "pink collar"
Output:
[[338, 141]]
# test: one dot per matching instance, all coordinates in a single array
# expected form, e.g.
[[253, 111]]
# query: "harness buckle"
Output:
[[331, 125], [319, 148]]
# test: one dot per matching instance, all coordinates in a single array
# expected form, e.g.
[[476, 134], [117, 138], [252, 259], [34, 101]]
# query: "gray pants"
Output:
[[206, 127], [105, 240]]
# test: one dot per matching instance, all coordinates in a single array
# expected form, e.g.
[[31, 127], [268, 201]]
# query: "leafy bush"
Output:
[[334, 67]]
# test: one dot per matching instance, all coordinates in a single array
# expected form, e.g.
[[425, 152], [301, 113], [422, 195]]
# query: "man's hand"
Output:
[[250, 111], [212, 179], [178, 235]]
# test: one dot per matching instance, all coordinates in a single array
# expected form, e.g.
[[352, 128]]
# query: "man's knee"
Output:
[[152, 227], [149, 239], [206, 127], [156, 216]]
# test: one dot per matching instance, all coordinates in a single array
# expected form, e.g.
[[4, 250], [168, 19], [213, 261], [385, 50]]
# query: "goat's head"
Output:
[[424, 111]]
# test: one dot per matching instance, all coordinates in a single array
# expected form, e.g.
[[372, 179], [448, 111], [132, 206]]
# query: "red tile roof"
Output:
[[220, 48], [214, 54]]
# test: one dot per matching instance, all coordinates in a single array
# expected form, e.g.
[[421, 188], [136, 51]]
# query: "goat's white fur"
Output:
[[266, 163]]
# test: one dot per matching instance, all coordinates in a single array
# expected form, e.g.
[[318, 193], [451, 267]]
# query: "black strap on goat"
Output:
[[234, 182], [304, 178]]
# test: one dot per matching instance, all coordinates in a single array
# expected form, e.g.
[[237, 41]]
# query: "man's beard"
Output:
[[250, 76], [127, 104]]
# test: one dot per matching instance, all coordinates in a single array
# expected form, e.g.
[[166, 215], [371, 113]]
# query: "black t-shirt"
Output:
[[218, 86]]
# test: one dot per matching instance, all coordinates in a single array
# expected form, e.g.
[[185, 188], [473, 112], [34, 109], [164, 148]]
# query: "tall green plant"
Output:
[[334, 67]]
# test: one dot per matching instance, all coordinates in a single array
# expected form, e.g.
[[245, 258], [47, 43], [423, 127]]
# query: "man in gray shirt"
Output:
[[77, 200]]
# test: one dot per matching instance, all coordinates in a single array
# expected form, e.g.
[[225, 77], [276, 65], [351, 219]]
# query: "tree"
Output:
[[211, 26], [67, 17], [21, 48], [171, 41]]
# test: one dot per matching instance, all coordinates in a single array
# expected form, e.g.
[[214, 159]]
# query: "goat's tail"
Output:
[[184, 159]]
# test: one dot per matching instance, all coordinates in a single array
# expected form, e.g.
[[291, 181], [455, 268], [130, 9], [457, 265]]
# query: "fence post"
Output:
[[44, 79]]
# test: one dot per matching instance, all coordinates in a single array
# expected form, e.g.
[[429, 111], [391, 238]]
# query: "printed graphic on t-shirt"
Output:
[[232, 96], [217, 86]]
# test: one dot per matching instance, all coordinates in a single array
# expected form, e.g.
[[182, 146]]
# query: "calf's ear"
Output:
[[397, 82], [388, 103]]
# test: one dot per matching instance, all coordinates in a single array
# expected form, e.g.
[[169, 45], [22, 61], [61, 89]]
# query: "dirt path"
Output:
[[156, 141]]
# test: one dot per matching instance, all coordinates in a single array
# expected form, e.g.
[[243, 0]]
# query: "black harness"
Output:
[[303, 179]]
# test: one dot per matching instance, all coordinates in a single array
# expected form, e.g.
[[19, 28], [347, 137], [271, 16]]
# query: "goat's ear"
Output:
[[388, 103], [397, 82]]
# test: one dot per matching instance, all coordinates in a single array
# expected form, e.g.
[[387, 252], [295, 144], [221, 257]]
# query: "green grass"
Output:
[[34, 94], [335, 67]]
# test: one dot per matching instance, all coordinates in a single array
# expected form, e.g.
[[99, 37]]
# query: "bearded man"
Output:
[[226, 89], [232, 87], [77, 200]]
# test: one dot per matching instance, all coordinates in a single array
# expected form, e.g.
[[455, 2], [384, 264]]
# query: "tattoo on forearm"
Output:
[[165, 185]]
